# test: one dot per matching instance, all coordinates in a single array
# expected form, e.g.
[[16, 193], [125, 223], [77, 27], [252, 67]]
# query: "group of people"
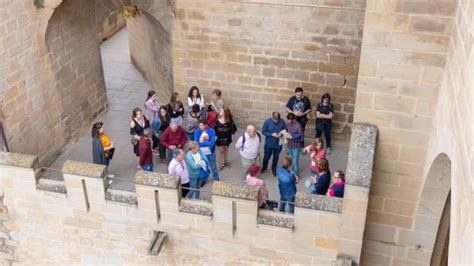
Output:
[[164, 131]]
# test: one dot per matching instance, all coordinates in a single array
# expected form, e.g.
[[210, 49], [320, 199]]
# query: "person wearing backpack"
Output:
[[294, 136], [249, 147]]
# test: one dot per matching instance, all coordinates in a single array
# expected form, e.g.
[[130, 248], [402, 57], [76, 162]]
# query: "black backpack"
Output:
[[243, 139]]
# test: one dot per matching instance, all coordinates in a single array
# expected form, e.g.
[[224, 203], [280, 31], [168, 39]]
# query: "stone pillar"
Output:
[[235, 210], [158, 197], [356, 191], [85, 185], [17, 175]]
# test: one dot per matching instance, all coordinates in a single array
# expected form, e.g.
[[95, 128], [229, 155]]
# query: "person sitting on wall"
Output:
[[253, 180], [337, 189]]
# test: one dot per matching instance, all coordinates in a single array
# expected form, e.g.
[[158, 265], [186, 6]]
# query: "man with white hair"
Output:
[[249, 147], [174, 137]]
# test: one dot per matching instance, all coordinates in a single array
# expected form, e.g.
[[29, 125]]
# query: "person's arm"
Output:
[[238, 144], [164, 139], [132, 128], [201, 102], [308, 107], [265, 131], [171, 168], [308, 148], [184, 138], [211, 140], [289, 105], [181, 110]]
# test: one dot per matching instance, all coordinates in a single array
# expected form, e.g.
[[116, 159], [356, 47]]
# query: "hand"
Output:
[[172, 147], [313, 177], [275, 135], [297, 179]]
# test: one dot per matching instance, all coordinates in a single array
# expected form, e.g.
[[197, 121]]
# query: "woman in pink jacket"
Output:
[[253, 180], [316, 151]]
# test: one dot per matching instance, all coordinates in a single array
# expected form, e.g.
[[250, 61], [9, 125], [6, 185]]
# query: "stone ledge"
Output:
[[51, 185], [318, 202], [361, 155], [121, 196], [18, 160], [274, 218], [200, 207], [84, 169], [154, 179], [228, 190]]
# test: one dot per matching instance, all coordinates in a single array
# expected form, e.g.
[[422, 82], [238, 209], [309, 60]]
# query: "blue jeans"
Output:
[[195, 184], [148, 167], [269, 152], [213, 164], [169, 156], [295, 157], [107, 161], [291, 206]]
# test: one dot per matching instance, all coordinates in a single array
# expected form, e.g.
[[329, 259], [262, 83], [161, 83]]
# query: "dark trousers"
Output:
[[184, 189], [326, 128], [156, 141], [161, 149], [269, 152]]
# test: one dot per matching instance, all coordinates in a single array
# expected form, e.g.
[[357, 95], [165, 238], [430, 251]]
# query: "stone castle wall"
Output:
[[257, 52], [415, 84], [84, 224]]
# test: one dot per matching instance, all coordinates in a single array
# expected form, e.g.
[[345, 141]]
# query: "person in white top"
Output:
[[249, 148], [195, 97], [178, 167]]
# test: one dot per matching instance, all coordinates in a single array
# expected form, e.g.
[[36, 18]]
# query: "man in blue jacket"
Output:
[[206, 137], [271, 129]]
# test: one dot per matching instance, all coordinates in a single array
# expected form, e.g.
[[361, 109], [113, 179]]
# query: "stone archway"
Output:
[[432, 217]]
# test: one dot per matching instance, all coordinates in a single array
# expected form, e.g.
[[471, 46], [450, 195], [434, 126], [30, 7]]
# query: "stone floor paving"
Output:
[[127, 89]]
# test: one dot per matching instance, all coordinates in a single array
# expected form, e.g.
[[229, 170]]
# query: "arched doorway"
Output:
[[432, 219]]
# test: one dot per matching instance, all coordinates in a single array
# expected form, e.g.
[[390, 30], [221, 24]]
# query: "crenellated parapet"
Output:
[[321, 230]]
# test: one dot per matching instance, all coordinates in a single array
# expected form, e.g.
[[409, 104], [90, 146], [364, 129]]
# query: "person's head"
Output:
[[326, 98], [339, 176], [203, 124], [194, 92], [210, 109], [163, 112], [151, 95], [290, 118], [299, 93], [286, 162], [254, 170], [317, 144], [147, 132], [195, 109], [323, 165], [97, 129], [173, 126], [216, 94], [174, 98], [251, 130], [276, 117], [137, 113], [193, 147], [178, 155], [226, 113]]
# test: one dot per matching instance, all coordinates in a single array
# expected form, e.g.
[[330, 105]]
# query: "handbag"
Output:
[[204, 174], [134, 141]]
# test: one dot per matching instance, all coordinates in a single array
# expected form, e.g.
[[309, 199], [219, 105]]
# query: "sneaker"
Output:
[[328, 150], [110, 175]]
